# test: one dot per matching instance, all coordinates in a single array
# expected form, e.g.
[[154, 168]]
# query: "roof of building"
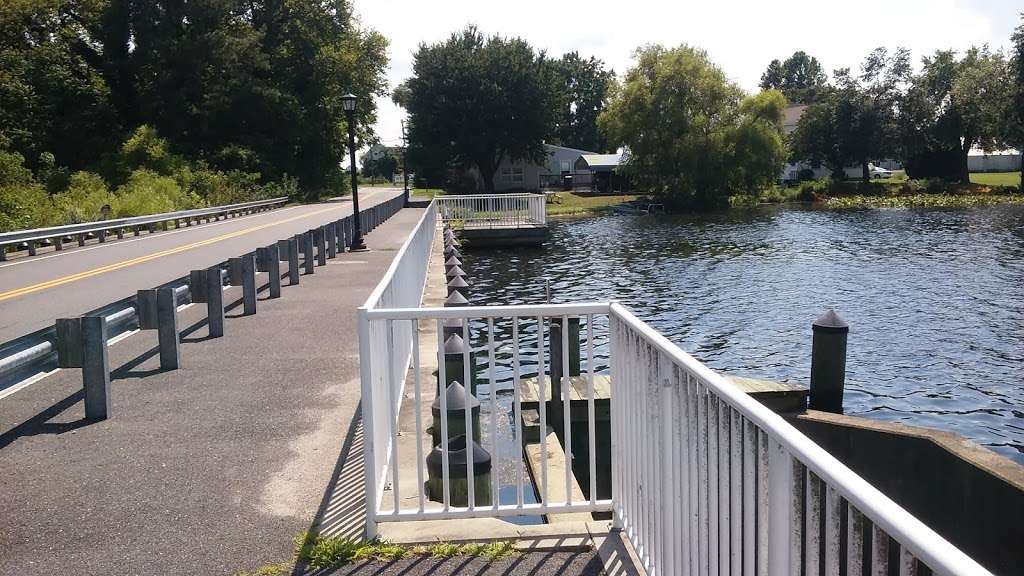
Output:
[[979, 152], [602, 160], [569, 149], [791, 116]]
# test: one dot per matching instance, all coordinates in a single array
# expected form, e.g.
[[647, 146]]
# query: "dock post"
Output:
[[95, 368], [828, 362], [454, 363], [273, 261], [214, 302], [167, 328], [555, 346]]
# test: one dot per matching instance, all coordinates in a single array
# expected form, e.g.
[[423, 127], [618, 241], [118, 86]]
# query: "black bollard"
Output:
[[828, 362], [458, 283], [458, 484], [456, 271], [454, 361], [455, 299]]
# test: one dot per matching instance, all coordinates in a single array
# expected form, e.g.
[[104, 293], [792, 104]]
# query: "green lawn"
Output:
[[569, 203], [996, 178]]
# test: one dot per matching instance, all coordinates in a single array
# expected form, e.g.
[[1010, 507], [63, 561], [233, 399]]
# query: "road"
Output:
[[34, 291]]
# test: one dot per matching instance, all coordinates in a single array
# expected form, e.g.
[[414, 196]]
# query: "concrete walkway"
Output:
[[209, 469]]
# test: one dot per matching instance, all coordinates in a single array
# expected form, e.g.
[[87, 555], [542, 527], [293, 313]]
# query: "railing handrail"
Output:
[[919, 539], [385, 281], [7, 238], [520, 310], [453, 197]]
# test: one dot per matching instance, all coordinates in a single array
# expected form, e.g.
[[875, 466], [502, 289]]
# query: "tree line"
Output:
[[690, 135], [241, 97]]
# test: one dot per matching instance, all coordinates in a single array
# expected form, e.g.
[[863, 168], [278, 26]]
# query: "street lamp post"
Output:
[[348, 102]]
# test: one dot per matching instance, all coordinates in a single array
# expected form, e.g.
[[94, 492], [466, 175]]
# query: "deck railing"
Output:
[[705, 480], [492, 210]]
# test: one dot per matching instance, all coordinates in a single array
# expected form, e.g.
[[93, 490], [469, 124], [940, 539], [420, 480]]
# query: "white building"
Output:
[[529, 177], [998, 161]]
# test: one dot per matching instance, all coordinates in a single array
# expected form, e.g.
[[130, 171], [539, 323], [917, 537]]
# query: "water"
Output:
[[934, 299]]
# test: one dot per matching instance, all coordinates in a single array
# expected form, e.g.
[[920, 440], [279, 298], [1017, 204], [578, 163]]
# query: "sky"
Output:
[[741, 37]]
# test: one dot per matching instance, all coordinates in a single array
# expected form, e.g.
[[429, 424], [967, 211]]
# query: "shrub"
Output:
[[25, 206], [149, 193], [84, 199]]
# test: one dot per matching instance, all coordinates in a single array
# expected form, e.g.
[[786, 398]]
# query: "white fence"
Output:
[[705, 480], [492, 210]]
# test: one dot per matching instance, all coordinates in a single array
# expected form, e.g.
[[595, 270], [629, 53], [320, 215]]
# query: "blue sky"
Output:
[[741, 36]]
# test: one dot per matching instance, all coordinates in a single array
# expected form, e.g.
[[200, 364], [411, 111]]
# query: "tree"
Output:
[[1013, 121], [580, 94], [687, 129], [474, 101], [856, 120], [800, 78], [383, 166], [958, 104]]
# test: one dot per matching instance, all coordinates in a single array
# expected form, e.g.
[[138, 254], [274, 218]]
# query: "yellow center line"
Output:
[[139, 260]]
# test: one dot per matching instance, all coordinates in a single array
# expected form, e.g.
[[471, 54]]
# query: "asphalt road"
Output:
[[34, 291]]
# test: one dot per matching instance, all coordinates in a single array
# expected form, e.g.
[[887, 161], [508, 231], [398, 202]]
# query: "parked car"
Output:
[[879, 172]]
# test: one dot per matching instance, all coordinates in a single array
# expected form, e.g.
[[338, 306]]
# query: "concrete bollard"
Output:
[[452, 263], [214, 302], [307, 252], [69, 342], [455, 299], [321, 251], [248, 285], [145, 308], [274, 270], [167, 328], [455, 363], [828, 362], [197, 285], [332, 240], [293, 261], [95, 368], [458, 484], [458, 283]]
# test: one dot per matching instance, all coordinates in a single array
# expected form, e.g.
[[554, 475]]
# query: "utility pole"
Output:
[[405, 166]]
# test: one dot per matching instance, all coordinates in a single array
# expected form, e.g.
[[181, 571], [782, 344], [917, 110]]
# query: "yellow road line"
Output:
[[139, 260]]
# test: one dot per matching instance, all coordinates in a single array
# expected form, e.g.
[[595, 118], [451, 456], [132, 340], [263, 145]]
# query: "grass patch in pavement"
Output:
[[324, 552]]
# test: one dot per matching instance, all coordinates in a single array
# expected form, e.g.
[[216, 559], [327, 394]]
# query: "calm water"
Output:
[[934, 299]]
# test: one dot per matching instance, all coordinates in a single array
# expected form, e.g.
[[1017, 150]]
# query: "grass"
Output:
[[572, 204], [996, 178], [426, 192]]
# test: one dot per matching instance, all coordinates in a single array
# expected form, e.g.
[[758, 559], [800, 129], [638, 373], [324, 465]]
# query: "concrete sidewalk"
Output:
[[209, 469]]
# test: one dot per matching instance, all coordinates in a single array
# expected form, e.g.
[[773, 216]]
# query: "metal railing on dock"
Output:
[[492, 210], [705, 479]]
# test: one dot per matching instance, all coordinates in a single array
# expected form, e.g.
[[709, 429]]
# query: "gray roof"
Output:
[[602, 160]]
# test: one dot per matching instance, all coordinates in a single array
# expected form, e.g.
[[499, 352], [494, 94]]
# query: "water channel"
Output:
[[934, 299]]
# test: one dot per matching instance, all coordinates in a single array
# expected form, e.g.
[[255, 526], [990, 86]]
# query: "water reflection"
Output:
[[933, 297]]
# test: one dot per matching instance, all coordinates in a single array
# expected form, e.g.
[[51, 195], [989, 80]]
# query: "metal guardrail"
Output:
[[705, 479], [57, 235], [27, 359]]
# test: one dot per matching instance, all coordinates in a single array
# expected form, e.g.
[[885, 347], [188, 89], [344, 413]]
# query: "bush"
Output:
[[84, 199], [26, 206], [149, 193]]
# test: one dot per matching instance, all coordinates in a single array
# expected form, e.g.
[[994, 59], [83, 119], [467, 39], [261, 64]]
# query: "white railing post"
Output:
[[367, 357]]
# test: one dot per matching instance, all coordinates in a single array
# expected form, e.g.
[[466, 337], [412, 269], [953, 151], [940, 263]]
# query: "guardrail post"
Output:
[[332, 240], [146, 308], [342, 235], [102, 236], [293, 261], [235, 271], [261, 259], [31, 247], [214, 302], [274, 270], [81, 239], [167, 328], [69, 342], [120, 233], [3, 253], [248, 285], [318, 238], [307, 249], [58, 244], [197, 284], [95, 368], [828, 362]]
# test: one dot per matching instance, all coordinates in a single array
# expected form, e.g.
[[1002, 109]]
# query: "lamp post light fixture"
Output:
[[348, 103]]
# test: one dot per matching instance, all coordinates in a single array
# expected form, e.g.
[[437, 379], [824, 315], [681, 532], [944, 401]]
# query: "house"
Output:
[[378, 151], [523, 176]]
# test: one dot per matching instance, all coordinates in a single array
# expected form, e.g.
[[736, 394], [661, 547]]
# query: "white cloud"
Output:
[[741, 36]]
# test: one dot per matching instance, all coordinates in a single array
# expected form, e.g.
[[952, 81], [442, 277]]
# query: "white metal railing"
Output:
[[705, 480], [492, 210]]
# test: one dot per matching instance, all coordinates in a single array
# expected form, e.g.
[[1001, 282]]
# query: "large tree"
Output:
[[856, 121], [691, 137], [1013, 122], [800, 77], [956, 104], [580, 94], [474, 101], [246, 84]]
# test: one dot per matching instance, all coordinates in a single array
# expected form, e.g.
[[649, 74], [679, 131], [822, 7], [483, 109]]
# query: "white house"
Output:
[[529, 177], [997, 161]]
